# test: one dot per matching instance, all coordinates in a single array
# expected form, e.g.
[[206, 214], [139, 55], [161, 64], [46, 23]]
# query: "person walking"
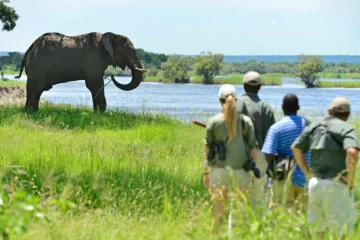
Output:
[[334, 147], [262, 117], [277, 149], [220, 174]]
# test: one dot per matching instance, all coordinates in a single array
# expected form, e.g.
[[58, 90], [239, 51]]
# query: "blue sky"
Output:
[[231, 27]]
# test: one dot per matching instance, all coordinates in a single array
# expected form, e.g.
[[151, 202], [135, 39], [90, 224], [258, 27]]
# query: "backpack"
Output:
[[283, 166]]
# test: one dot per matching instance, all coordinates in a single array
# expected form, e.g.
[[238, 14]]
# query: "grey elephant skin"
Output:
[[55, 58]]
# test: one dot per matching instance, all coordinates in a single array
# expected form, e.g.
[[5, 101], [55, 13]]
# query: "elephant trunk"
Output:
[[137, 77]]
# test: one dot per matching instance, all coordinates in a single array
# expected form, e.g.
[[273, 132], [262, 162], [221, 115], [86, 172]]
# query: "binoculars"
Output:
[[250, 166]]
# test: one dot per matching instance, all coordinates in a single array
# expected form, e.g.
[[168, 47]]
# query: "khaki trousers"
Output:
[[259, 194]]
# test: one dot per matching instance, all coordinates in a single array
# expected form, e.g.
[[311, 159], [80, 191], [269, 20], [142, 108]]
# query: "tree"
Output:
[[308, 68], [176, 68], [8, 16], [208, 65]]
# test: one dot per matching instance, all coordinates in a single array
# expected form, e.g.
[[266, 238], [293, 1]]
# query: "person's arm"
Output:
[[208, 140], [351, 161], [206, 178], [299, 157], [351, 145], [299, 147], [252, 143], [254, 155], [271, 145]]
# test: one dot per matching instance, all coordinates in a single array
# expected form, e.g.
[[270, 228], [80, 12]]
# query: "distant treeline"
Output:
[[153, 61], [286, 67]]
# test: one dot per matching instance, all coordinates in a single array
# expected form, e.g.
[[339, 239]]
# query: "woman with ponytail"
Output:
[[222, 174]]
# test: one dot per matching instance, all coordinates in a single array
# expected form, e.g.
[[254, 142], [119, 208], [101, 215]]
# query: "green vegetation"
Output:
[[11, 83], [8, 16], [175, 69], [308, 68], [268, 79], [11, 63], [339, 75], [342, 84], [117, 176], [208, 65]]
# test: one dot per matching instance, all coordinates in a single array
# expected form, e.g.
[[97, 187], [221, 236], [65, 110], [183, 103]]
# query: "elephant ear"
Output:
[[107, 39]]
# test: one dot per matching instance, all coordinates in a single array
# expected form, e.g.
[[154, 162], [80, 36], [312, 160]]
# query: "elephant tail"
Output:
[[21, 67], [23, 61]]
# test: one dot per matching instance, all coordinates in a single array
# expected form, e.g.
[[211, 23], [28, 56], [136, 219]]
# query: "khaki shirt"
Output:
[[237, 154], [328, 146], [260, 112]]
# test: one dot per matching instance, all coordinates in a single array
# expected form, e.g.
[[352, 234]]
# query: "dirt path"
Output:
[[12, 95]]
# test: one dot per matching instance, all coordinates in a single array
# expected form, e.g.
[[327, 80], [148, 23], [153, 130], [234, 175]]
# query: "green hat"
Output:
[[252, 78], [340, 105]]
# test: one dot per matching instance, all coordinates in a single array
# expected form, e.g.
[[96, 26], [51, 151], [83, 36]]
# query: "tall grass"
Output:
[[339, 75], [129, 176], [342, 84]]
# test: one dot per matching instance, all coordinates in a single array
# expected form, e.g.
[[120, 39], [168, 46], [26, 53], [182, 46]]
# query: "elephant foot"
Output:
[[31, 106]]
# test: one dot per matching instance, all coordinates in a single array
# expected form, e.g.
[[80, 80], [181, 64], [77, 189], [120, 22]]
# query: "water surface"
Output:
[[194, 101]]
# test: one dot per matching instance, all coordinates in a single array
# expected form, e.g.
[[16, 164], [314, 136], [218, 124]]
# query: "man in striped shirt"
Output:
[[277, 145]]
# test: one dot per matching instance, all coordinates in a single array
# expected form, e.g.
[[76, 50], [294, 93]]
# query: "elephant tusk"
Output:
[[140, 70]]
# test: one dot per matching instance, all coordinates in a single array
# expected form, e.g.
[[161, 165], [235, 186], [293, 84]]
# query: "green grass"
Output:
[[269, 79], [11, 83], [343, 84], [130, 176], [10, 71], [339, 75]]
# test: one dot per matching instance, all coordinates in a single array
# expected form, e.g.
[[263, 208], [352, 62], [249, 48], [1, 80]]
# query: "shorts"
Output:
[[331, 206], [226, 177]]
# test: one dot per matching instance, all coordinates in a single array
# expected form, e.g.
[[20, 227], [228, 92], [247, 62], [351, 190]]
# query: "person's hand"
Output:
[[350, 184], [207, 179], [308, 175]]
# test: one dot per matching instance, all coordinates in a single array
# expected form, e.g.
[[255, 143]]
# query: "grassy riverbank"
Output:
[[342, 84], [269, 79], [339, 75], [117, 176], [12, 83]]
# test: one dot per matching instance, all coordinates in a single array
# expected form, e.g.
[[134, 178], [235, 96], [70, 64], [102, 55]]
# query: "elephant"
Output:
[[55, 58]]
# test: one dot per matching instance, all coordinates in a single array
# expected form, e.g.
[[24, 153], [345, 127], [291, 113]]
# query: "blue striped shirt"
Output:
[[279, 139]]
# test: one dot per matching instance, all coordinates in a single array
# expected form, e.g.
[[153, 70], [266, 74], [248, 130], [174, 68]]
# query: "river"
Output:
[[194, 101]]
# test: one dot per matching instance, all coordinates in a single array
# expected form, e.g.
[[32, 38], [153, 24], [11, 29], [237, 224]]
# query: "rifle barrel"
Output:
[[199, 123]]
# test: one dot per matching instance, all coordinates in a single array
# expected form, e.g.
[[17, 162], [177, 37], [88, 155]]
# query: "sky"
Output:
[[230, 27]]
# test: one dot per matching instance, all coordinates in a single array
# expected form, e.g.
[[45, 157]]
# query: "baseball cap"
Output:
[[252, 78], [225, 90], [340, 105]]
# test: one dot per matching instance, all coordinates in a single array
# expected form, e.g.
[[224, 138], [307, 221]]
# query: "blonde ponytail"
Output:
[[230, 116]]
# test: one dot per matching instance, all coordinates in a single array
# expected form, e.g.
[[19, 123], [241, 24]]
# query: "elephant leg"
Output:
[[33, 94], [98, 94]]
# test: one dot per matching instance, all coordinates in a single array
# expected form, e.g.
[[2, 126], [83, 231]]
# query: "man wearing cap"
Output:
[[262, 117], [334, 146]]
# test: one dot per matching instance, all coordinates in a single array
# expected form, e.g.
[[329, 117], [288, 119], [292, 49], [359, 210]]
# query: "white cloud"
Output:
[[273, 23]]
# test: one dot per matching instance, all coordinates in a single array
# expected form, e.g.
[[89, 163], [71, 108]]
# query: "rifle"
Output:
[[199, 123], [249, 165]]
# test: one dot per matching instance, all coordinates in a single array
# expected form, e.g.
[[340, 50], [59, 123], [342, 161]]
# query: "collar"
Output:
[[252, 95]]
